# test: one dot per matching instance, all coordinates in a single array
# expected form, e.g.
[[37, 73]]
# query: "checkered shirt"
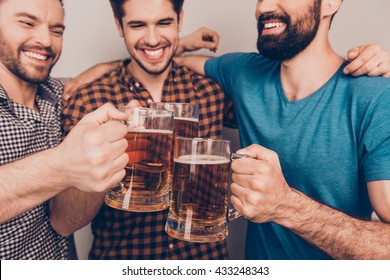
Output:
[[130, 235], [24, 132]]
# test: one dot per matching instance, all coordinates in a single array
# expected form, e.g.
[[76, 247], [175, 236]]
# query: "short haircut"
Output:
[[119, 13]]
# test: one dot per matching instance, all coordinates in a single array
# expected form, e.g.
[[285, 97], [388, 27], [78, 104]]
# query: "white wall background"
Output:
[[91, 37]]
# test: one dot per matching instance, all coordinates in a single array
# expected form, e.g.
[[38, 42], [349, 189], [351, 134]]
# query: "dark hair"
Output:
[[119, 13]]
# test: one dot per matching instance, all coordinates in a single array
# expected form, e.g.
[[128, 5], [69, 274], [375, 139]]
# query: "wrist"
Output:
[[291, 209], [180, 50], [57, 168]]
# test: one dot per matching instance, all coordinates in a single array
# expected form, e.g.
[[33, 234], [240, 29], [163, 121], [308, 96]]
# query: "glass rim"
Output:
[[175, 103], [201, 140], [166, 112]]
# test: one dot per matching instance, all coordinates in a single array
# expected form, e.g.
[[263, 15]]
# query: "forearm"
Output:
[[73, 209], [194, 62], [336, 233], [29, 182]]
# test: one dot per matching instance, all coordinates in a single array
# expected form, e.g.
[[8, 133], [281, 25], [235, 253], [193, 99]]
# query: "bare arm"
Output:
[[194, 62], [92, 158], [336, 233], [379, 193], [203, 38], [73, 209], [267, 197], [87, 76], [29, 182]]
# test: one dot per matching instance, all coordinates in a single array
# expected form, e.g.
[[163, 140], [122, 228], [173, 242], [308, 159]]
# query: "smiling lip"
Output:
[[273, 27], [154, 54], [37, 56]]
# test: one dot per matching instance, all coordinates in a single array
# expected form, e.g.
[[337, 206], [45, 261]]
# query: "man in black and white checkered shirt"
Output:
[[34, 165]]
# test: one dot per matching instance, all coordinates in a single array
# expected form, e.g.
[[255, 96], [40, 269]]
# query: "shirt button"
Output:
[[149, 101], [137, 84], [131, 88], [170, 246]]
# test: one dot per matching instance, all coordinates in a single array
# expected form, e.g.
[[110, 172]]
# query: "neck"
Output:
[[19, 91], [309, 70], [153, 83]]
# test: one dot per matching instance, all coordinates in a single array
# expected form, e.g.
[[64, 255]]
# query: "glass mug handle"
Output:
[[232, 213]]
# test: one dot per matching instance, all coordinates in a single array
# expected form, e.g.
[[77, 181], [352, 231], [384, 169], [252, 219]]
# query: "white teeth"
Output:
[[272, 25], [154, 53], [36, 56]]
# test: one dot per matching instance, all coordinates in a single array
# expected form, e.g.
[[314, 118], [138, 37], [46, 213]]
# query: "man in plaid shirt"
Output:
[[151, 33], [34, 167]]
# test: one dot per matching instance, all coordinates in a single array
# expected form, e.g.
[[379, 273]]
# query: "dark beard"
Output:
[[19, 72], [16, 68], [294, 39], [154, 73]]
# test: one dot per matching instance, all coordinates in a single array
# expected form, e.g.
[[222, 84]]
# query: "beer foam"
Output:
[[145, 130], [187, 119], [202, 159]]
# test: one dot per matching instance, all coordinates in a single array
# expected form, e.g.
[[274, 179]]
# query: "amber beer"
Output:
[[186, 127], [145, 188], [186, 117], [198, 204]]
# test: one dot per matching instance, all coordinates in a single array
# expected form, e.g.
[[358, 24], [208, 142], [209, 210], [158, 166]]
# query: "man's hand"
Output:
[[259, 187], [203, 38], [372, 60], [93, 155]]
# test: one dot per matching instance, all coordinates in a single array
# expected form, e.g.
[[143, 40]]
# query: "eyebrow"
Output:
[[34, 18], [135, 22]]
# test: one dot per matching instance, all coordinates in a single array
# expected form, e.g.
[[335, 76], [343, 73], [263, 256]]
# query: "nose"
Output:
[[265, 6], [43, 37], [152, 37]]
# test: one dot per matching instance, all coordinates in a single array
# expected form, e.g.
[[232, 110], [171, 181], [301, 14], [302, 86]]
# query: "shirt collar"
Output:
[[43, 92], [128, 79]]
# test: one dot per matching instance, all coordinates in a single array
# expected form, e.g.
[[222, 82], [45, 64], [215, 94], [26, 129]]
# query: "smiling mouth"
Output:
[[154, 54], [272, 25], [37, 56]]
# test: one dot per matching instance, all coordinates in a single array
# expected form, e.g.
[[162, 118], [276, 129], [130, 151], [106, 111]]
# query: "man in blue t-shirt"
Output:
[[317, 141]]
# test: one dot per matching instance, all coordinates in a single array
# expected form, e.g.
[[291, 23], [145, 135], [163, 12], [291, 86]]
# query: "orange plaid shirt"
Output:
[[130, 235]]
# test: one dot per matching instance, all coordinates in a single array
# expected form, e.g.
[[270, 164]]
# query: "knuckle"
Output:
[[385, 66], [367, 54]]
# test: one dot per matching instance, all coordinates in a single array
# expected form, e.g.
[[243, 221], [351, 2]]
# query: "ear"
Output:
[[330, 7], [181, 20], [119, 27]]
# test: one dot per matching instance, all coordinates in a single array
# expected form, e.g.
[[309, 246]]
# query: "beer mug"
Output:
[[146, 185], [186, 117], [199, 198]]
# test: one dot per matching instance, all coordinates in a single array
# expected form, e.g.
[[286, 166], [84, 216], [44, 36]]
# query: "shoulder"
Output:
[[97, 92], [233, 65], [106, 82], [197, 81], [368, 88], [240, 58]]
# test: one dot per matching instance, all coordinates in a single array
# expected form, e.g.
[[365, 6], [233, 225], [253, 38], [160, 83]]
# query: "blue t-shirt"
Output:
[[330, 144]]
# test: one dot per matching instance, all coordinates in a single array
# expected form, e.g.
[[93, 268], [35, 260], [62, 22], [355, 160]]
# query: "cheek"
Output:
[[172, 35]]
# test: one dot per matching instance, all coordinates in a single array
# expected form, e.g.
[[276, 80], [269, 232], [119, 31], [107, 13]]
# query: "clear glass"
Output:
[[146, 185], [198, 208], [186, 117]]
